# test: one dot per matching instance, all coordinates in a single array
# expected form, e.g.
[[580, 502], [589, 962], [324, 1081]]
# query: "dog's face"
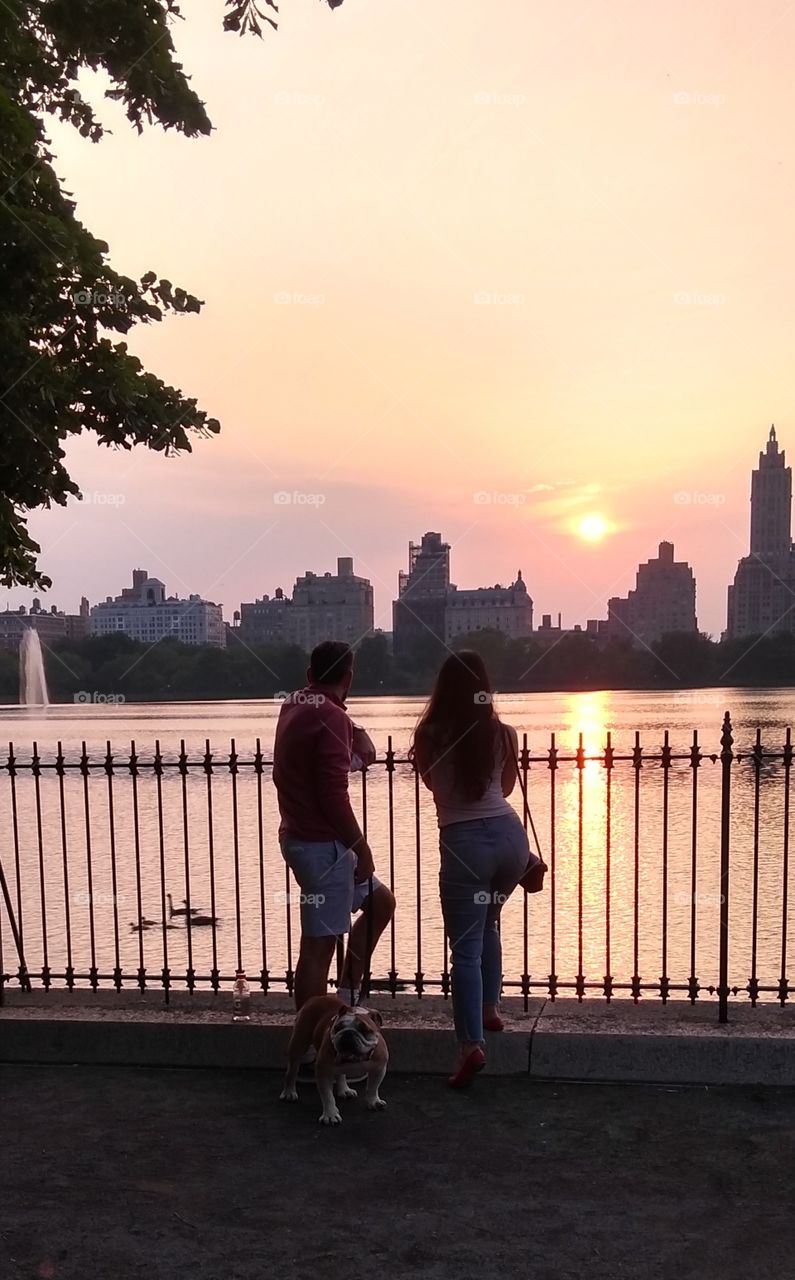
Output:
[[354, 1033]]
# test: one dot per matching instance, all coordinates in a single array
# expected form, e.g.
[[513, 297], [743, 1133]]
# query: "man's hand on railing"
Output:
[[365, 867], [363, 746]]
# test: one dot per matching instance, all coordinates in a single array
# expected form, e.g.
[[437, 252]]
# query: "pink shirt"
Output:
[[452, 806], [311, 764]]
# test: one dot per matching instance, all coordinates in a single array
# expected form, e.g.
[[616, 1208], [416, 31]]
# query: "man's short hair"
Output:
[[330, 662]]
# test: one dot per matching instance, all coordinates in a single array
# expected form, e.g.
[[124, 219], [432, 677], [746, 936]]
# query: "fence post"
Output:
[[726, 758]]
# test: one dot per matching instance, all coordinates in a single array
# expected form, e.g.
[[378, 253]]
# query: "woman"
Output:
[[468, 759]]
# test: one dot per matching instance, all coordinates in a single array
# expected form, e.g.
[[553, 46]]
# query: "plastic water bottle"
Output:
[[241, 998]]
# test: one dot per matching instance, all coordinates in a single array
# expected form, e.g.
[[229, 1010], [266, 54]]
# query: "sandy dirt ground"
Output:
[[140, 1174]]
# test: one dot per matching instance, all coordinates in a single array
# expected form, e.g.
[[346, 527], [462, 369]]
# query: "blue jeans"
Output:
[[482, 861]]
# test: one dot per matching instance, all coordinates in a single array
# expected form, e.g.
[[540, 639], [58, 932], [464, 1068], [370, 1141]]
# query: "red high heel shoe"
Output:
[[472, 1064], [493, 1024]]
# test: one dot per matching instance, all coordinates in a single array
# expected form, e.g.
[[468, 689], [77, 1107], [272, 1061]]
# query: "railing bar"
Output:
[[65, 866], [552, 764], [186, 858], [666, 768], [754, 982], [165, 976], [608, 975], [637, 758], [261, 860], [113, 874], [208, 769], [133, 767], [390, 773], [783, 985], [236, 851], [42, 878], [418, 977], [89, 864]]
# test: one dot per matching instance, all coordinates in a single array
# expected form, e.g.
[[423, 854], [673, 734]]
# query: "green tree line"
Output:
[[115, 666]]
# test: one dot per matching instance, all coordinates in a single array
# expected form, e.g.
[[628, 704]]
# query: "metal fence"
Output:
[[671, 862]]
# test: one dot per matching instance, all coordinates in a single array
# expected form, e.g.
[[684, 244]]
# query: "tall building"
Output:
[[51, 624], [663, 601], [497, 608], [322, 607], [430, 606], [144, 612], [419, 610], [762, 597]]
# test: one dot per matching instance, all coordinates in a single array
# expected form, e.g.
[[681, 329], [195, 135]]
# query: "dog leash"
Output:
[[364, 993]]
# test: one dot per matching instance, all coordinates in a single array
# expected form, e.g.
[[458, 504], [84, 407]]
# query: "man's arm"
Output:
[[333, 762], [423, 759], [363, 746]]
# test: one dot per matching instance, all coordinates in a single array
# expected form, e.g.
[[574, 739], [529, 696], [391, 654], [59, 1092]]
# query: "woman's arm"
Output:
[[509, 770]]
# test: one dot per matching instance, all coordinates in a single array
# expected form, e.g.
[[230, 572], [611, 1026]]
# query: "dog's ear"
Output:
[[376, 1017]]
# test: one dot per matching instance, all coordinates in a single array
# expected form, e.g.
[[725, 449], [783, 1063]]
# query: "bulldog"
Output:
[[344, 1038]]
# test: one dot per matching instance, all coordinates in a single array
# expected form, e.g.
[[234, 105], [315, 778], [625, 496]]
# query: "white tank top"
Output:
[[452, 806]]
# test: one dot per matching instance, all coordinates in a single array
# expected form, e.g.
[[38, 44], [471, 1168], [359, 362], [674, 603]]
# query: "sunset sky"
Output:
[[541, 253]]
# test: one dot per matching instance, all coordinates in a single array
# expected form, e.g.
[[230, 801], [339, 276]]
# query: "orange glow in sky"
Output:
[[532, 251]]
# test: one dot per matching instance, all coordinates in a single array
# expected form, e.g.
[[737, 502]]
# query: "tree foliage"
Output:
[[116, 665], [64, 310]]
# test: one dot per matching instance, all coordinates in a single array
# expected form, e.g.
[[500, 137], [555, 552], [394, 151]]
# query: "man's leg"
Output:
[[376, 913], [311, 972]]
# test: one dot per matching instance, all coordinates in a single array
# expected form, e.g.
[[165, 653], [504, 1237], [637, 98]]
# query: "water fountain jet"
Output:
[[32, 678]]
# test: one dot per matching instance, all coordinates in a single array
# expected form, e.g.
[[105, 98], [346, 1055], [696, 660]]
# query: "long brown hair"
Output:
[[461, 721]]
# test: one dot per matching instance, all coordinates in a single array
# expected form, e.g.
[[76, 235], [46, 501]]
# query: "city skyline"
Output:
[[591, 529], [574, 332]]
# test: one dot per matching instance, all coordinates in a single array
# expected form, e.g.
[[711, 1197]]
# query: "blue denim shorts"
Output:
[[328, 892]]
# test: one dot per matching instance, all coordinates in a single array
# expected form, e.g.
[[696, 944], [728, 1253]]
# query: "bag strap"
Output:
[[523, 786]]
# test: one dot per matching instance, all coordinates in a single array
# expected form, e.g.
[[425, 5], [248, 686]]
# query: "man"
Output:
[[320, 838]]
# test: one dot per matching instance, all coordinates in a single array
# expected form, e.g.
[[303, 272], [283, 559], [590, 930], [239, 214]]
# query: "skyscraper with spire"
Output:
[[762, 596]]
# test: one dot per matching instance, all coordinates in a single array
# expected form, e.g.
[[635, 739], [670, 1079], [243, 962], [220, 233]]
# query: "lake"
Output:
[[635, 890]]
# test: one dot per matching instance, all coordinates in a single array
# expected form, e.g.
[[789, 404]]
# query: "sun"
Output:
[[593, 527]]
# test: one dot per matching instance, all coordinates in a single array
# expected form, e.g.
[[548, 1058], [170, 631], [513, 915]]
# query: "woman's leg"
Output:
[[491, 962], [465, 901], [512, 858]]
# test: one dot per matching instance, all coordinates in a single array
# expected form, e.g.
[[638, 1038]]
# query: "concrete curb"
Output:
[[552, 1041], [259, 1047]]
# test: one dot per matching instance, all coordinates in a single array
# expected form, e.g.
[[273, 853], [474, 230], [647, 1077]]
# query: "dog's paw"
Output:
[[288, 1095], [331, 1117], [347, 1092], [376, 1104]]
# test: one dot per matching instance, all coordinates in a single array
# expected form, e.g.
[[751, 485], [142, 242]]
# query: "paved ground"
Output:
[[122, 1173]]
